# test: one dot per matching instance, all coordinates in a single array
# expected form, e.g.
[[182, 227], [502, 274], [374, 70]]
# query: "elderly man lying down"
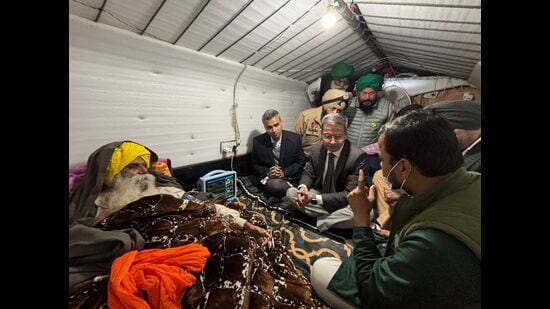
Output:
[[133, 240]]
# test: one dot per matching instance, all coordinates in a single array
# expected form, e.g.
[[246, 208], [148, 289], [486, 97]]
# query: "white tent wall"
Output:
[[179, 102]]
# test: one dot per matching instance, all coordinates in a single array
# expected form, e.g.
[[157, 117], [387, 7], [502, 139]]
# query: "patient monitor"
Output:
[[220, 182]]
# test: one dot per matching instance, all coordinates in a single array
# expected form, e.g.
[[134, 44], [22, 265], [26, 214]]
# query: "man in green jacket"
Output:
[[433, 255]]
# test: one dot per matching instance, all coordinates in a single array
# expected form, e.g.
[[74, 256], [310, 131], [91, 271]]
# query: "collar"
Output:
[[465, 151], [409, 206], [278, 141], [337, 152]]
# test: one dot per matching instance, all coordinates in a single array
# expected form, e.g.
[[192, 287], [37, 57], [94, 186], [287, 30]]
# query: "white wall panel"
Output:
[[175, 100]]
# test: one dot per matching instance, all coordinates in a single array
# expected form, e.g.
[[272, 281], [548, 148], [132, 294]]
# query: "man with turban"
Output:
[[367, 111], [118, 174], [339, 78], [465, 120], [308, 122]]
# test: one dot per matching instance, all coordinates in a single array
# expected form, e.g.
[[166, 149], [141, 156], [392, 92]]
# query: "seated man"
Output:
[[433, 255], [308, 122], [464, 117], [329, 175], [277, 155]]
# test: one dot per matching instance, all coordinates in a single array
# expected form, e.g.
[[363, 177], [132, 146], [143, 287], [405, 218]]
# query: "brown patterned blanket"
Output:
[[239, 273]]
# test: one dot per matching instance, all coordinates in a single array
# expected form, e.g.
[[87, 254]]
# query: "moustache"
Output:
[[366, 106]]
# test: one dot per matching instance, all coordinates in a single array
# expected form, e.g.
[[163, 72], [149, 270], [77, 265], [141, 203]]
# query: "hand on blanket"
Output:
[[259, 233]]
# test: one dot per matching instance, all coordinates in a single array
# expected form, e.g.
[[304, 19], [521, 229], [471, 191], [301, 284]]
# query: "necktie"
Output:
[[276, 152], [328, 183]]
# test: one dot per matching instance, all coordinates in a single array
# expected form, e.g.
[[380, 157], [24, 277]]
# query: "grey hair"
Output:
[[333, 119], [270, 113]]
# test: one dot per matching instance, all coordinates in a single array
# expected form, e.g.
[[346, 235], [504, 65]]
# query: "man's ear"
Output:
[[406, 166]]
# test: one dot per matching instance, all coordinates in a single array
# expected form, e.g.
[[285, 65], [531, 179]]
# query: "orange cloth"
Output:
[[163, 274]]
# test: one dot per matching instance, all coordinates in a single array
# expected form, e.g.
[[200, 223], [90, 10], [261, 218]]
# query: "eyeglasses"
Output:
[[329, 137]]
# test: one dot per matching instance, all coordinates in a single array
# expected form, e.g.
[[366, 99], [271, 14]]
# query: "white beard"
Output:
[[124, 191]]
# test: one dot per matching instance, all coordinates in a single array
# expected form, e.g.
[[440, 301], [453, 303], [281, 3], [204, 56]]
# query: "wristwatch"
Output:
[[314, 201]]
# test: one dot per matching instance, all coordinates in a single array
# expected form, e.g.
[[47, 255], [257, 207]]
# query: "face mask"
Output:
[[390, 185], [385, 178]]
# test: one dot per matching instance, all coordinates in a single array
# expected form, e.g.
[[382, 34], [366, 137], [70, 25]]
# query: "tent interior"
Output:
[[191, 79]]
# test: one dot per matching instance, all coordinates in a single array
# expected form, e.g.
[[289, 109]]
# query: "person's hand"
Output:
[[275, 172], [383, 232], [261, 235], [390, 196], [302, 197], [361, 200]]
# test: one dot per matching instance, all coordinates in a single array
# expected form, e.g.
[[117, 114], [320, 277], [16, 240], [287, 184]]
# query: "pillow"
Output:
[[76, 174]]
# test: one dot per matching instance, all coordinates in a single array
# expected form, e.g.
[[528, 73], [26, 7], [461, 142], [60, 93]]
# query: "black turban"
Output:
[[464, 115]]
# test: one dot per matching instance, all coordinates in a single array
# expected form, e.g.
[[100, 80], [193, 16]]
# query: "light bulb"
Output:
[[329, 20]]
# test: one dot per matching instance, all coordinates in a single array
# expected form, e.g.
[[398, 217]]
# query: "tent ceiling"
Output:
[[286, 37]]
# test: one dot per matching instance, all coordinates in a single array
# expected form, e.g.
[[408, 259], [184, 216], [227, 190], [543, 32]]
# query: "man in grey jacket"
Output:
[[329, 175], [367, 111]]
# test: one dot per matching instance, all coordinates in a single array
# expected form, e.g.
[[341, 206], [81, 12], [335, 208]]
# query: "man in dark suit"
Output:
[[277, 155], [329, 175]]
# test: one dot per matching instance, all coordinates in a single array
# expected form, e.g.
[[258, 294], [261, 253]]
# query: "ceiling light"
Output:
[[329, 20], [330, 17]]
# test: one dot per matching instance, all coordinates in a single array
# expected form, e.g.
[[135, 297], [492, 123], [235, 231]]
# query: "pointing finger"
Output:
[[361, 180]]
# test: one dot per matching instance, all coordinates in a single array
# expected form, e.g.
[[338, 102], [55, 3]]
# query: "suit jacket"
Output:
[[292, 158], [347, 170]]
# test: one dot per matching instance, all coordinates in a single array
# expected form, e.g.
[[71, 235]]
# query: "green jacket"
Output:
[[433, 256]]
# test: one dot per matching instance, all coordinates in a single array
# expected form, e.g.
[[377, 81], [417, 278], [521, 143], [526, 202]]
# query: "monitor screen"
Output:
[[222, 185]]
